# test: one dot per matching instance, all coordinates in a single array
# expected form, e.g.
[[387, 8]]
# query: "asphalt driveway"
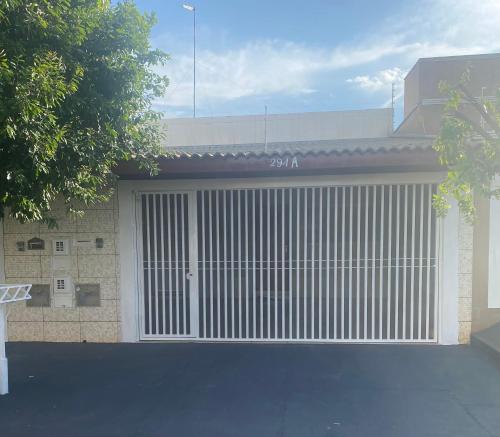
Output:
[[250, 390]]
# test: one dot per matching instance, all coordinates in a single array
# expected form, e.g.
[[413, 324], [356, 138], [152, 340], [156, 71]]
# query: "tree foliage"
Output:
[[77, 81], [469, 146]]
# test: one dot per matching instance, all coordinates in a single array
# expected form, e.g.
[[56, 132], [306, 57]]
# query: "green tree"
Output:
[[77, 79], [469, 146]]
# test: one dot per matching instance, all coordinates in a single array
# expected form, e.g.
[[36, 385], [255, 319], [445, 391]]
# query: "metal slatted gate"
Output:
[[166, 254], [340, 264]]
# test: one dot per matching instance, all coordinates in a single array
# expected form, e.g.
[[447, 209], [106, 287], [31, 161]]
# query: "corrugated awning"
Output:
[[392, 154], [301, 148]]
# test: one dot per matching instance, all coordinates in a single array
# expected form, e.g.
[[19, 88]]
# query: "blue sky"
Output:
[[314, 55]]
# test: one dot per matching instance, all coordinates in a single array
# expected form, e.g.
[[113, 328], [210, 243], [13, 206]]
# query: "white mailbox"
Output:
[[63, 292], [60, 246]]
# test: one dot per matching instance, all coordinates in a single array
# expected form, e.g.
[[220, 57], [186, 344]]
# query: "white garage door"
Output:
[[344, 263]]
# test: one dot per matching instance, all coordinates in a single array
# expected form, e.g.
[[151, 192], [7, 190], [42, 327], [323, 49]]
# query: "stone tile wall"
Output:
[[87, 265], [465, 240]]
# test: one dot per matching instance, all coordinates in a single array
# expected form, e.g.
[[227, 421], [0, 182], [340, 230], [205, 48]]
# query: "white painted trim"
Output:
[[138, 295], [448, 277], [128, 268], [494, 255], [279, 182]]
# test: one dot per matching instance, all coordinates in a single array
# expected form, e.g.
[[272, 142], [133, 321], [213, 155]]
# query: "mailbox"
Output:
[[36, 244]]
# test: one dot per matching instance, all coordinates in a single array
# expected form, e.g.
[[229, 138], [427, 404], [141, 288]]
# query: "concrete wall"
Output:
[[252, 129], [482, 316], [87, 265], [424, 103]]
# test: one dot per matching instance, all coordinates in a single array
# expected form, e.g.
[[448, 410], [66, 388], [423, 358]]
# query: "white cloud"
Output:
[[380, 81], [262, 68], [275, 67]]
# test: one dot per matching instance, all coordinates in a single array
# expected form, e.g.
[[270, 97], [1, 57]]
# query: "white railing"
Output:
[[9, 293], [14, 293]]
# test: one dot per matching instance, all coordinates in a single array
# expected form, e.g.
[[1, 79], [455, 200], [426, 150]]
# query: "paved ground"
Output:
[[250, 390]]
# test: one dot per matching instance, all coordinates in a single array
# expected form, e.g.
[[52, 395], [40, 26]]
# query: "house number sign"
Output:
[[292, 162]]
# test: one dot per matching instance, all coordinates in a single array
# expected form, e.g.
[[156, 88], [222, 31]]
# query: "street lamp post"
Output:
[[192, 9]]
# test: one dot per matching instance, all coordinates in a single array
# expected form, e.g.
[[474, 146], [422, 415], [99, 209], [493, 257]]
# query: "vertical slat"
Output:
[[290, 275], [170, 273], [313, 255], [335, 263], [148, 233], [183, 258], [412, 261], [217, 258], [366, 263], [226, 258], [155, 246], [254, 272], [163, 267], [268, 235], [420, 262], [283, 263], [374, 257], [381, 277], [437, 238], [396, 288], [193, 284], [233, 284], [297, 265], [389, 263], [275, 263], [175, 248], [184, 279], [320, 264], [358, 263], [305, 265], [204, 275], [261, 264], [350, 258], [428, 281], [405, 259], [176, 239], [210, 257], [247, 301], [239, 218], [327, 278], [342, 273]]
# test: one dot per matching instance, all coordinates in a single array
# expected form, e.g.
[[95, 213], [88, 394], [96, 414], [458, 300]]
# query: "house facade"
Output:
[[314, 227]]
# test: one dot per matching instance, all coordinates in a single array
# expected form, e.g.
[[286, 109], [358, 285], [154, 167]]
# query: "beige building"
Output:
[[312, 227]]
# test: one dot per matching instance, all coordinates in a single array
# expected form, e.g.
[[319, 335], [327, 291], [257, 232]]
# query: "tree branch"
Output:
[[480, 108], [476, 126]]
